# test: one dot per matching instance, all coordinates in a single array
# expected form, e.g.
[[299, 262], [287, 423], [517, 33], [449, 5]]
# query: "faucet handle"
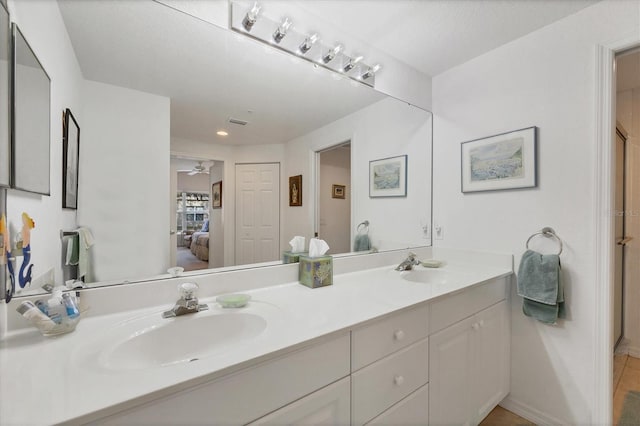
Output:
[[411, 256], [188, 291]]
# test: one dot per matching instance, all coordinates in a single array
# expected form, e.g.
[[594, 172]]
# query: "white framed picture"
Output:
[[388, 177], [504, 161]]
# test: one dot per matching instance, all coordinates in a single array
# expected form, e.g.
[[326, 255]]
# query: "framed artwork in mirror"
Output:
[[338, 191], [388, 177], [504, 161], [295, 191], [30, 141], [216, 195], [70, 160], [5, 100]]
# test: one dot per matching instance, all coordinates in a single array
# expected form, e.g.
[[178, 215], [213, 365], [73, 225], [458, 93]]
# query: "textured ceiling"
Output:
[[435, 35]]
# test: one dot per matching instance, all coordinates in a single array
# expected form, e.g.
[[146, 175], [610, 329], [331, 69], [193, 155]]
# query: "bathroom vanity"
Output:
[[379, 346]]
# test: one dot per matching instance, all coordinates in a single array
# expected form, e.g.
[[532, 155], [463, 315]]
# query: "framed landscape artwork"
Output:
[[504, 161], [388, 177]]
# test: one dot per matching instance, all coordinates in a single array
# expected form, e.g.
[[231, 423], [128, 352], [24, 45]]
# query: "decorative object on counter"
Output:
[[504, 161], [233, 301], [26, 268], [31, 118], [431, 263], [70, 160], [540, 284], [316, 269], [295, 191], [249, 21], [5, 259], [362, 242], [338, 191], [388, 177], [297, 248], [58, 315], [216, 195]]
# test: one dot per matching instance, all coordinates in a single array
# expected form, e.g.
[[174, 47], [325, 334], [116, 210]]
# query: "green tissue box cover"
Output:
[[316, 271], [288, 257]]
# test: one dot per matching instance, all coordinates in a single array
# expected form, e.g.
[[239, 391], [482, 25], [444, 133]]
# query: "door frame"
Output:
[[604, 223]]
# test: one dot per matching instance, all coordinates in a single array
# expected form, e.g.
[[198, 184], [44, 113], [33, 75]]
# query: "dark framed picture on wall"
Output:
[[216, 195], [70, 160], [295, 191]]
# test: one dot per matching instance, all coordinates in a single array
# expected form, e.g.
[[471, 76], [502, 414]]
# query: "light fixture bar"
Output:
[[255, 23]]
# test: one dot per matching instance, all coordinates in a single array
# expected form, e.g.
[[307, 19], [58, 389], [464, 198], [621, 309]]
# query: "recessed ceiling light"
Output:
[[222, 133]]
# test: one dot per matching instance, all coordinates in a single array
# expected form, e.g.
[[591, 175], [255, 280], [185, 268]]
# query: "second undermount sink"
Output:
[[432, 275], [151, 341]]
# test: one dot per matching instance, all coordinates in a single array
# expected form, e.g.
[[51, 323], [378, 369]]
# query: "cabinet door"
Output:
[[492, 358], [451, 374], [328, 406]]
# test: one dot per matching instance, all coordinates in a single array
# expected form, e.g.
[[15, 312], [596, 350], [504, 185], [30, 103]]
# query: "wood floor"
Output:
[[501, 417]]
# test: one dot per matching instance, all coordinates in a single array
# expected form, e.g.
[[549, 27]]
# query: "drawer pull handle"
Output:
[[398, 380], [475, 326], [398, 334]]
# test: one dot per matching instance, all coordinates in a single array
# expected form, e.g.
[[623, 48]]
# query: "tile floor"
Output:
[[626, 377]]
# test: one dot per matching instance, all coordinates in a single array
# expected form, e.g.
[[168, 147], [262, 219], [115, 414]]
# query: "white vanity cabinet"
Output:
[[469, 367], [253, 392]]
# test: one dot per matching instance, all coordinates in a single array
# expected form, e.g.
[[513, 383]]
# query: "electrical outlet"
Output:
[[438, 232], [426, 234]]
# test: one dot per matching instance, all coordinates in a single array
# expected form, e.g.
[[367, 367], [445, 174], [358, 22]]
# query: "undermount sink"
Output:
[[151, 341]]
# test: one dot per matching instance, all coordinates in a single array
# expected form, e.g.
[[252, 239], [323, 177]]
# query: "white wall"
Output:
[[385, 129], [198, 182], [544, 79], [121, 127], [43, 28], [628, 114], [335, 213]]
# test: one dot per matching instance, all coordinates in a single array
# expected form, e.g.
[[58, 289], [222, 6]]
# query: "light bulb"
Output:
[[352, 63], [281, 31], [251, 17], [308, 43], [328, 57]]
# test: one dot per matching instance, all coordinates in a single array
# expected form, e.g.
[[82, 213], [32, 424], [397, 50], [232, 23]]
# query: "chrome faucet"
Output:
[[188, 302], [408, 263]]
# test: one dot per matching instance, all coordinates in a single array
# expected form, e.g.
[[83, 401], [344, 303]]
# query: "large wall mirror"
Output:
[[31, 119], [191, 133]]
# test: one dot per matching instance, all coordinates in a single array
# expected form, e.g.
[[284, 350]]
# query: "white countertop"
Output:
[[47, 380]]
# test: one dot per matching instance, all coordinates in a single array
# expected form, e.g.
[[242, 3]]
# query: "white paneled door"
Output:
[[257, 213]]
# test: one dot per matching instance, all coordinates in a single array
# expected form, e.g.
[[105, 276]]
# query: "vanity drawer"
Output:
[[387, 335], [380, 385], [242, 397], [462, 305], [413, 410]]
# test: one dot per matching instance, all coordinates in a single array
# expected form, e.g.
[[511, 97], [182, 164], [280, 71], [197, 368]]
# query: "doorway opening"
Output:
[[333, 195], [626, 284], [192, 217]]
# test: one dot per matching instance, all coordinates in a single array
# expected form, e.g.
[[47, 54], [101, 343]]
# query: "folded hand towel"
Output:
[[540, 285], [362, 243]]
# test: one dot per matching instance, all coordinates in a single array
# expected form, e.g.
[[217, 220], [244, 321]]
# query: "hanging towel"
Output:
[[85, 241], [540, 285], [73, 247], [362, 243]]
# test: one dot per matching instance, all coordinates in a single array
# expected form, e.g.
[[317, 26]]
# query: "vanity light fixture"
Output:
[[251, 17], [352, 63], [281, 31], [308, 43], [328, 57], [371, 72], [222, 133]]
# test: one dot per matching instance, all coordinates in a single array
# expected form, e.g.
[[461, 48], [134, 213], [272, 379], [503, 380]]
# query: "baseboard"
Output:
[[529, 413], [626, 347]]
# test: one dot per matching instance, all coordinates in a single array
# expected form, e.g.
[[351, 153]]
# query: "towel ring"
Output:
[[365, 224], [549, 233]]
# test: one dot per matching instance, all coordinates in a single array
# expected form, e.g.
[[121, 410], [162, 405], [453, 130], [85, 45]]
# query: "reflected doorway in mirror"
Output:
[[216, 195], [70, 160], [295, 191]]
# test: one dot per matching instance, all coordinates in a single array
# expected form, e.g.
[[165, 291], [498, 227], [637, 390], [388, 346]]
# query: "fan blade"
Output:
[[192, 172]]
